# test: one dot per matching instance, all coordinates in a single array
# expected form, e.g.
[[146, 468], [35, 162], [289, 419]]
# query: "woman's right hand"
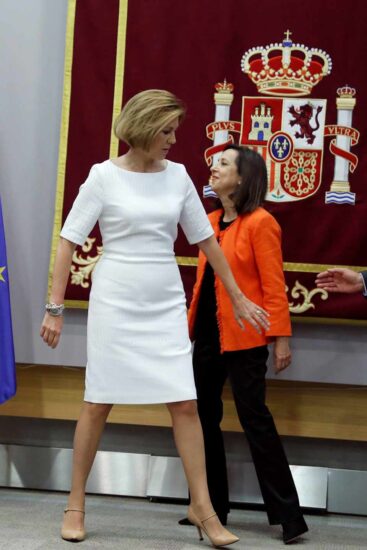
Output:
[[51, 329], [251, 312]]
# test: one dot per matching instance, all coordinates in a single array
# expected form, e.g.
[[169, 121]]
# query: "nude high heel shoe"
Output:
[[217, 540], [73, 535]]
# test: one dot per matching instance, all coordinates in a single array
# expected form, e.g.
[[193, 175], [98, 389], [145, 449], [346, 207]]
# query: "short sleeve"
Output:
[[193, 219], [85, 211]]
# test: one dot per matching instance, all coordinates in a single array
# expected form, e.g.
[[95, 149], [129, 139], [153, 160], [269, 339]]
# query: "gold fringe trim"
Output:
[[119, 73], [287, 266], [76, 304], [186, 260], [329, 321], [316, 268], [64, 131]]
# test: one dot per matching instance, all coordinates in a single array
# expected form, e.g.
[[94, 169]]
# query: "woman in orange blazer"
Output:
[[251, 241]]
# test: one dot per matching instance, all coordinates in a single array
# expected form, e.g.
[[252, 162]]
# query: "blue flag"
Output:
[[8, 385]]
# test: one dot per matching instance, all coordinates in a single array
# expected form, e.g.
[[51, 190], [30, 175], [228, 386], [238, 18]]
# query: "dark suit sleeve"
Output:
[[364, 275]]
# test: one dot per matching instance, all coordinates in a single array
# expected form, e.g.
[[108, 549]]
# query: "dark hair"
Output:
[[250, 193]]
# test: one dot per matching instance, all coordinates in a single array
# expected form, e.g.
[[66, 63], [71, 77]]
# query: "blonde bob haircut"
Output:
[[145, 115]]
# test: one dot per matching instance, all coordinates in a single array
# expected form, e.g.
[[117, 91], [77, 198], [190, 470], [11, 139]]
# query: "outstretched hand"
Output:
[[251, 312], [340, 279]]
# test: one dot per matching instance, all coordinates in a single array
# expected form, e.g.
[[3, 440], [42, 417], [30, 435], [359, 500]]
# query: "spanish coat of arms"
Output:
[[285, 126]]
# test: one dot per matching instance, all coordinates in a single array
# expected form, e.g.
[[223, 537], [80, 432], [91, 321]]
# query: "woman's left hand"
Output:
[[282, 354], [251, 312]]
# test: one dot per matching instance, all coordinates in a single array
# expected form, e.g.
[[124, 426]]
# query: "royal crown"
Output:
[[346, 91], [224, 87], [286, 68]]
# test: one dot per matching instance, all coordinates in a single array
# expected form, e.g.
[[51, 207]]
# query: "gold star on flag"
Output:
[[1, 274]]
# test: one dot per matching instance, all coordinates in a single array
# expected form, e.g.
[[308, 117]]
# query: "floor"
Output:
[[30, 520]]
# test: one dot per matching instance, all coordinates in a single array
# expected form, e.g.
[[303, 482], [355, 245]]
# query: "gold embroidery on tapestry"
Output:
[[81, 273], [300, 291]]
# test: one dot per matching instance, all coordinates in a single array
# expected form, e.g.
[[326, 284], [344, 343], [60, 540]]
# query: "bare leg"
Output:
[[86, 440], [190, 445]]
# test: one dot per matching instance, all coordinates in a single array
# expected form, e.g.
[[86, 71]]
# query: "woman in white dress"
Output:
[[138, 344]]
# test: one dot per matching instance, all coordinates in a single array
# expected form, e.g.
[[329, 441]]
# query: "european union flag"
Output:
[[8, 385]]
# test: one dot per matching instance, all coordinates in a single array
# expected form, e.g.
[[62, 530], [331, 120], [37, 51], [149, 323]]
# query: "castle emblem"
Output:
[[284, 126]]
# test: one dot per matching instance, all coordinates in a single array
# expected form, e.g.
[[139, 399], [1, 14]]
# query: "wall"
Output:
[[32, 38]]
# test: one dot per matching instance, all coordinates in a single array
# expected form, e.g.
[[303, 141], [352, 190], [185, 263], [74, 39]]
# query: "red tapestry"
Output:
[[283, 77]]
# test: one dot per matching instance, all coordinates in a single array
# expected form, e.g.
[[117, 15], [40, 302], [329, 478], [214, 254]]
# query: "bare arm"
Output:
[[51, 326], [242, 306]]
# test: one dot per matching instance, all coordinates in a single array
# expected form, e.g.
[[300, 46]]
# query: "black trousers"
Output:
[[246, 371]]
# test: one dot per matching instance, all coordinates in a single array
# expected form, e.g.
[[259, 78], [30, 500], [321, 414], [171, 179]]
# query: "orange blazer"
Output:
[[252, 246]]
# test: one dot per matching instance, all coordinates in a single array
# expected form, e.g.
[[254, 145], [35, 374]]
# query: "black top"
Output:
[[206, 328]]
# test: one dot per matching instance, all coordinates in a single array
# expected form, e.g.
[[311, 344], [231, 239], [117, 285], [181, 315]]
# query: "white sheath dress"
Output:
[[138, 345]]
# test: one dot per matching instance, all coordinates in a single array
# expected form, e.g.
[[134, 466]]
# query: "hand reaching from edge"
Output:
[[340, 279]]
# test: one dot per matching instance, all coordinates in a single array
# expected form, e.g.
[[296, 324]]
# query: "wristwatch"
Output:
[[54, 309]]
